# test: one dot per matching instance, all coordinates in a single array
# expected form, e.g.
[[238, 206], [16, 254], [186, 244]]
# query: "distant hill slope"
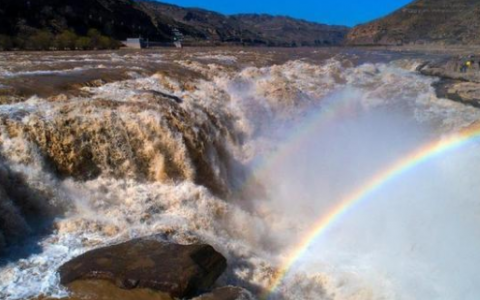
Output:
[[115, 18], [284, 30], [423, 21], [210, 27], [130, 18], [199, 25]]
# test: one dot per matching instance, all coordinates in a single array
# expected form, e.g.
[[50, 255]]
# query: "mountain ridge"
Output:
[[423, 22], [239, 28], [121, 19]]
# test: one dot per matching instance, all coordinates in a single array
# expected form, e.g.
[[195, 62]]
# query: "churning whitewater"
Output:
[[246, 151]]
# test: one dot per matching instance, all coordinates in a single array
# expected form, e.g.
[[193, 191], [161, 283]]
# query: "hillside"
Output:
[[115, 18], [199, 25], [284, 30], [120, 19], [423, 22], [202, 26]]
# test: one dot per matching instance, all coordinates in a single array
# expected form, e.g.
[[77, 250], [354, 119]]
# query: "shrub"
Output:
[[101, 42], [83, 43], [95, 39], [41, 40], [66, 40]]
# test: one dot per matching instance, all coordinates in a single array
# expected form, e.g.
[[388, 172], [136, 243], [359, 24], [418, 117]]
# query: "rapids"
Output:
[[243, 150]]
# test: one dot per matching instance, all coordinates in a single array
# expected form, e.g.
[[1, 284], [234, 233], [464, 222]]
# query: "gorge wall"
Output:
[[423, 22]]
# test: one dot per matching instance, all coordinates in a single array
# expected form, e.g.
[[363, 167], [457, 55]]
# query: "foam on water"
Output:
[[224, 58], [353, 261]]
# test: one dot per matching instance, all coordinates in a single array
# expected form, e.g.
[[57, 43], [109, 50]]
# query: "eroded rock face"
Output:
[[178, 270]]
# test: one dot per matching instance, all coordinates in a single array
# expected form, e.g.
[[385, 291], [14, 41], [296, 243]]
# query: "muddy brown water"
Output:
[[23, 75], [47, 74]]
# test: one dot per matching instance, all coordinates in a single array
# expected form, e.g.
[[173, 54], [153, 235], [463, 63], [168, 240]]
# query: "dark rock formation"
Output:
[[180, 271], [227, 293], [423, 22], [128, 18]]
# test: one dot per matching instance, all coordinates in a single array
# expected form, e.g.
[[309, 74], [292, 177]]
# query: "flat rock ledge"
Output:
[[178, 270]]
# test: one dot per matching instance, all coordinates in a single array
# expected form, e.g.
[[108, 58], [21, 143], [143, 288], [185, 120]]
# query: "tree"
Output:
[[95, 38], [66, 40], [20, 42], [83, 43], [104, 43], [41, 40], [101, 42], [92, 32]]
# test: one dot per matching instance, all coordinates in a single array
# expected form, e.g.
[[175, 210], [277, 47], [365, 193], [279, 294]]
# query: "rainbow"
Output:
[[416, 158]]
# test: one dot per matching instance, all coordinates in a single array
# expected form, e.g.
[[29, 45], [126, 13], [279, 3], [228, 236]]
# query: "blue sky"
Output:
[[341, 12]]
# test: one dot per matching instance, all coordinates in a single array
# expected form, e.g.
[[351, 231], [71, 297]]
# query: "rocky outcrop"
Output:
[[177, 270], [422, 22], [456, 82], [451, 68], [465, 92]]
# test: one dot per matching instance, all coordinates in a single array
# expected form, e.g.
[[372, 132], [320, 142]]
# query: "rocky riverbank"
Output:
[[457, 81]]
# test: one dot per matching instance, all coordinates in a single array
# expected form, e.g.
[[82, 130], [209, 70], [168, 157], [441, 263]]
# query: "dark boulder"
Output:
[[178, 270], [227, 293]]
